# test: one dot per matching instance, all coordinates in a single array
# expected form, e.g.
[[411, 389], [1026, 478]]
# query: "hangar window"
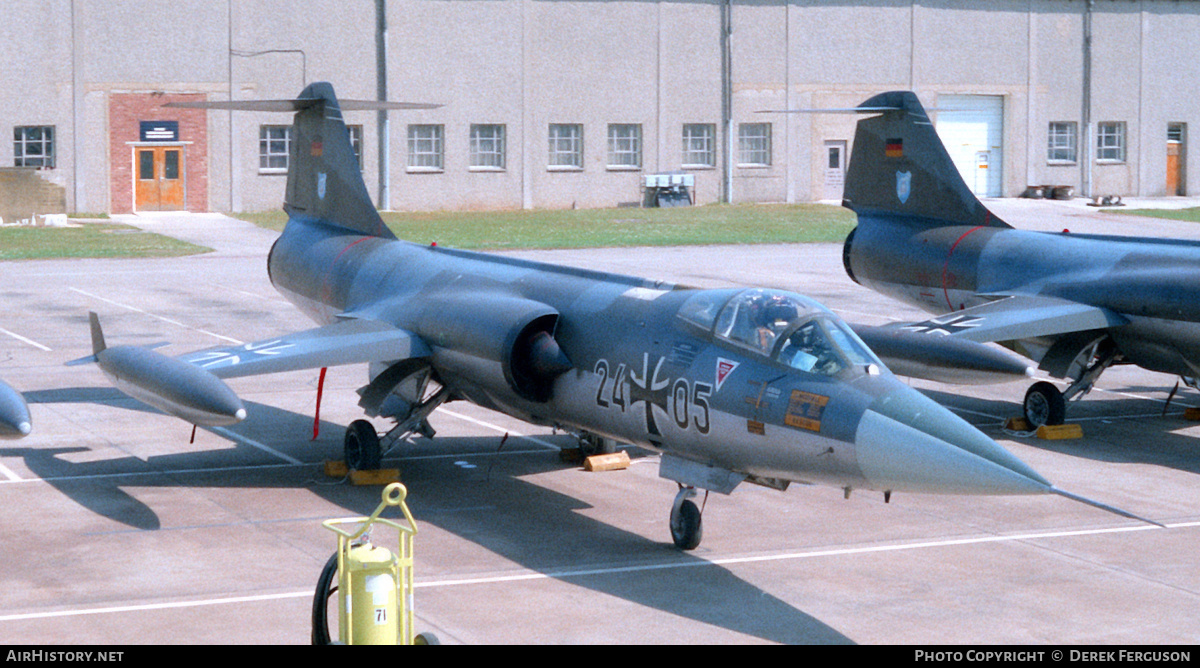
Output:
[[487, 147], [426, 148], [274, 142], [754, 144], [566, 146], [1061, 142], [699, 145], [33, 146], [624, 145], [1110, 142]]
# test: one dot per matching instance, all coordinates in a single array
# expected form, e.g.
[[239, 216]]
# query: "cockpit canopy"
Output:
[[786, 327]]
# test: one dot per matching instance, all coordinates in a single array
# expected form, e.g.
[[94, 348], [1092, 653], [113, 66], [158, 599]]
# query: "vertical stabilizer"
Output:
[[324, 179], [900, 168]]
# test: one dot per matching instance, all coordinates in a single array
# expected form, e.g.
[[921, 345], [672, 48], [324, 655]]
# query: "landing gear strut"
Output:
[[1045, 405], [686, 528]]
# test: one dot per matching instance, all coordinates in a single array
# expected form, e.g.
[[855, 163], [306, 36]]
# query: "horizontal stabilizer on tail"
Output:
[[325, 181], [900, 168], [299, 104]]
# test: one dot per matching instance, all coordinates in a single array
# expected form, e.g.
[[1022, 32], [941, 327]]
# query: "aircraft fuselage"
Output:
[[1152, 284], [639, 373]]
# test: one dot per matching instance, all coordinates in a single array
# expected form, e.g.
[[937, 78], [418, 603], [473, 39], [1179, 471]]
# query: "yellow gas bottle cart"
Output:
[[374, 585]]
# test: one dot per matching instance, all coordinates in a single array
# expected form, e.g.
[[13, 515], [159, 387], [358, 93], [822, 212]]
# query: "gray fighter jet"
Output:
[[730, 385], [1074, 303], [14, 413]]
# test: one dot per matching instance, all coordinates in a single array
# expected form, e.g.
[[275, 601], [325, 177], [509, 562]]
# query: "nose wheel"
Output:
[[686, 527]]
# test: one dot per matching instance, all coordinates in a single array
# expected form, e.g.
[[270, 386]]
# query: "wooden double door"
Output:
[[160, 178]]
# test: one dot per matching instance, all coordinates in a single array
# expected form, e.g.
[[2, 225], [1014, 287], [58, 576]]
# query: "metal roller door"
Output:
[[972, 128]]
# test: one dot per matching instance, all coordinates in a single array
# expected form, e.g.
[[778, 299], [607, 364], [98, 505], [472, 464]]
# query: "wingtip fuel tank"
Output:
[[14, 414], [168, 384], [941, 358]]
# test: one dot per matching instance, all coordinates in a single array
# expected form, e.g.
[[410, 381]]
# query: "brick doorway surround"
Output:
[[125, 112]]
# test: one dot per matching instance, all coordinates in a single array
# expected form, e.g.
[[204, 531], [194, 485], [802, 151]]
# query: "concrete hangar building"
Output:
[[560, 103]]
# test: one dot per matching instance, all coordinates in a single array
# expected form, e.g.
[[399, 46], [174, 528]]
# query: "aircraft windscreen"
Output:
[[757, 318], [791, 329], [701, 308], [824, 346]]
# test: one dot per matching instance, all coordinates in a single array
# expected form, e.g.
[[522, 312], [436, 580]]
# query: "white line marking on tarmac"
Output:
[[587, 572], [164, 319], [22, 339], [254, 444], [8, 473], [500, 429]]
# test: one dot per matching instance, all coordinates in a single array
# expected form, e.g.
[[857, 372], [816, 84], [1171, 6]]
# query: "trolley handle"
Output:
[[393, 495]]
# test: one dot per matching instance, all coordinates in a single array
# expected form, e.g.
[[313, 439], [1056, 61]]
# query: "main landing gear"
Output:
[[363, 447], [1046, 405], [686, 527]]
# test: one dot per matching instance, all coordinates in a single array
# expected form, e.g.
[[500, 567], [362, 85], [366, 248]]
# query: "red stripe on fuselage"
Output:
[[946, 267], [327, 295]]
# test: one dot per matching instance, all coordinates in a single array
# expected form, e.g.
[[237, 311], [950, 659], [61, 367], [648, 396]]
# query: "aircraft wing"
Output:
[[350, 341], [1019, 317]]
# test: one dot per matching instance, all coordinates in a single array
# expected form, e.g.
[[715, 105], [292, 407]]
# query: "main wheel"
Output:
[[1044, 405], [361, 446], [686, 529]]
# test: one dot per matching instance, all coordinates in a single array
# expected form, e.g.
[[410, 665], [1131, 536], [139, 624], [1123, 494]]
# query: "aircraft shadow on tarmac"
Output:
[[487, 502], [1109, 439]]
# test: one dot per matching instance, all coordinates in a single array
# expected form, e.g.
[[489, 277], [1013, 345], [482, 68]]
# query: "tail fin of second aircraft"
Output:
[[900, 168], [324, 180]]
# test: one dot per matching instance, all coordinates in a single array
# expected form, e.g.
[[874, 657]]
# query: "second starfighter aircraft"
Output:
[[730, 385], [1074, 303]]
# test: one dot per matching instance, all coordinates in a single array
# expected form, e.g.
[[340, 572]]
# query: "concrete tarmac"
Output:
[[119, 530]]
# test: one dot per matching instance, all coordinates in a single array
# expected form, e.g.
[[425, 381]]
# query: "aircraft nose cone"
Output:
[[907, 442]]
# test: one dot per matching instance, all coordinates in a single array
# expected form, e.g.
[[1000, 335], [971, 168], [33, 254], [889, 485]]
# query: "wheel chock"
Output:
[[375, 477], [338, 469], [1059, 431], [611, 462], [1192, 413], [1017, 423]]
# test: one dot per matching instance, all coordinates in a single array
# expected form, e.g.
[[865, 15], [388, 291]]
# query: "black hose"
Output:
[[326, 586]]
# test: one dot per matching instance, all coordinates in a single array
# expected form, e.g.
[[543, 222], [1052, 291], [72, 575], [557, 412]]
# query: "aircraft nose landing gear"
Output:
[[686, 528]]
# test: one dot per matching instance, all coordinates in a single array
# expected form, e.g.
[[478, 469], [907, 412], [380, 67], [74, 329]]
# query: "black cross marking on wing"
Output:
[[946, 326]]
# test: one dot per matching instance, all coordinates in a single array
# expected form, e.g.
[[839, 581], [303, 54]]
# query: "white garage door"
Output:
[[972, 128]]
